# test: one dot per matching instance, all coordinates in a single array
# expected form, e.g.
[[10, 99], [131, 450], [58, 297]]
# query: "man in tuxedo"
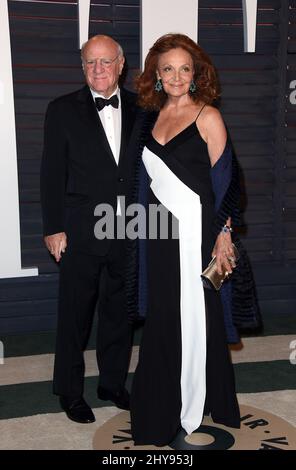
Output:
[[86, 162]]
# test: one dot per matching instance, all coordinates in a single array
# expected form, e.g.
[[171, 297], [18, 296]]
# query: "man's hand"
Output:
[[56, 244]]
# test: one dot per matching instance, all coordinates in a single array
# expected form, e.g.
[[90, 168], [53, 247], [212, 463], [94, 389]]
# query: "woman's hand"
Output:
[[223, 250]]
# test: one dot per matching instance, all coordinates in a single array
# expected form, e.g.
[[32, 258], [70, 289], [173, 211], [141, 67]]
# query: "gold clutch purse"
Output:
[[210, 276]]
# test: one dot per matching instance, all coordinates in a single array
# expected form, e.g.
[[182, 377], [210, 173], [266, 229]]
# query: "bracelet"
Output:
[[227, 229]]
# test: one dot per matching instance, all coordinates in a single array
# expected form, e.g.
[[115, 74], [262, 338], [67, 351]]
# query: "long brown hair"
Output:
[[205, 76]]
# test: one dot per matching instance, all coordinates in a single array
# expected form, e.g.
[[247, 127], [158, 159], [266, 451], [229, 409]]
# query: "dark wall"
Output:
[[255, 104]]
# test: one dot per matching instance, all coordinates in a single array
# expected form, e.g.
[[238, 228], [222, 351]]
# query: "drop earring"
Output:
[[158, 85], [192, 87]]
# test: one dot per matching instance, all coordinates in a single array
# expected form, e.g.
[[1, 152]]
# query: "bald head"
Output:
[[102, 62], [101, 39]]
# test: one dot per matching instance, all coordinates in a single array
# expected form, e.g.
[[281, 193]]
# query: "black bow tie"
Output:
[[102, 102]]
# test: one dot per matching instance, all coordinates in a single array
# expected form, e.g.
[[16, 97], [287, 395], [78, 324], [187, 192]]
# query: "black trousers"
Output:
[[83, 280]]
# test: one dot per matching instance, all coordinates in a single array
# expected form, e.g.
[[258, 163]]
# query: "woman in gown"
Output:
[[184, 368]]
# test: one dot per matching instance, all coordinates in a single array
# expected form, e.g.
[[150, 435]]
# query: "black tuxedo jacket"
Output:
[[78, 170]]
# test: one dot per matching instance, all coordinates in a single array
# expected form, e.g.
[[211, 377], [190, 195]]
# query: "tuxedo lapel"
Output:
[[91, 118], [127, 122]]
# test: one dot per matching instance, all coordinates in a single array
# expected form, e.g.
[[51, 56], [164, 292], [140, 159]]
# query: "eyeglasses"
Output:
[[106, 63]]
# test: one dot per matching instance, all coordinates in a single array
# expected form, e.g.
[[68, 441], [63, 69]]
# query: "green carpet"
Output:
[[27, 399]]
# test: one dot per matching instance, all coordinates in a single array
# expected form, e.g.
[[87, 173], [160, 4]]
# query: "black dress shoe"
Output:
[[77, 409], [121, 398]]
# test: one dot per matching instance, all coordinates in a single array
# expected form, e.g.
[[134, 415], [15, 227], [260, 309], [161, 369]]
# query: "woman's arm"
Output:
[[212, 130]]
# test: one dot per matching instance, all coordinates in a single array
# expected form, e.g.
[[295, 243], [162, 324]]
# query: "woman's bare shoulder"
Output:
[[211, 115], [210, 119], [210, 123], [212, 129]]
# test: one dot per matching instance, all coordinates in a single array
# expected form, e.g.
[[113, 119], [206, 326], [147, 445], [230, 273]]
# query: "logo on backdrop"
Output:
[[293, 352], [1, 353], [176, 21], [292, 95]]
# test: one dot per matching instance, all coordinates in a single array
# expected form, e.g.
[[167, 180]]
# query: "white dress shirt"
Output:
[[111, 121]]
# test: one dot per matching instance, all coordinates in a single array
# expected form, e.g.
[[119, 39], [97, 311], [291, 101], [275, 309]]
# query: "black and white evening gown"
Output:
[[184, 368]]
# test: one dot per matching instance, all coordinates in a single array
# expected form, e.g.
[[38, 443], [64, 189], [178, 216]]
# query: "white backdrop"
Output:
[[10, 249]]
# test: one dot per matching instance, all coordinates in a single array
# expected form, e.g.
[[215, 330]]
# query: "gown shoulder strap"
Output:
[[199, 112]]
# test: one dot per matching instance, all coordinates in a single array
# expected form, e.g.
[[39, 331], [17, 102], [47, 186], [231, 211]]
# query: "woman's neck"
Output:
[[177, 102]]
